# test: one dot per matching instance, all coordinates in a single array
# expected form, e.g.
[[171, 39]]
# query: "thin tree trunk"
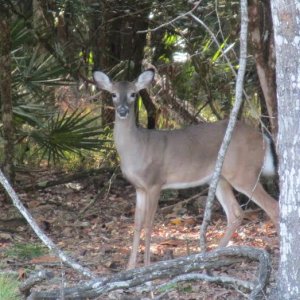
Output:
[[231, 124], [118, 46], [286, 20], [262, 42], [5, 94]]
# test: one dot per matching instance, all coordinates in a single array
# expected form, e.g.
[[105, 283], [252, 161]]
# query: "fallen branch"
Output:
[[178, 268], [68, 178], [240, 284], [33, 280]]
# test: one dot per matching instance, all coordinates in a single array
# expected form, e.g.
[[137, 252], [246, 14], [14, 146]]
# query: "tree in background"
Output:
[[6, 93], [55, 45]]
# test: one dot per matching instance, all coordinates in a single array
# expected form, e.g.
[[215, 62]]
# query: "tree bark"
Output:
[[262, 42], [150, 108], [5, 93], [286, 20]]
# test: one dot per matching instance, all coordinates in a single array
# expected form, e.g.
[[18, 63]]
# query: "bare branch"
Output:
[[172, 21], [34, 279], [231, 123], [45, 239], [213, 37]]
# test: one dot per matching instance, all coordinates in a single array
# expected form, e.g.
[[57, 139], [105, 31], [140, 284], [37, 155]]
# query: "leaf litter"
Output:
[[101, 237]]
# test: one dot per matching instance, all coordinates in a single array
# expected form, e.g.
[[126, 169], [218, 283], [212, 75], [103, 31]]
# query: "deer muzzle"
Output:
[[122, 111]]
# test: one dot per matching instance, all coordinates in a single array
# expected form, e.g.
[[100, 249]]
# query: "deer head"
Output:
[[124, 93]]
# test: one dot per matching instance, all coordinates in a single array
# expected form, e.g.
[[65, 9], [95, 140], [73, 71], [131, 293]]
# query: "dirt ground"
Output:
[[95, 227]]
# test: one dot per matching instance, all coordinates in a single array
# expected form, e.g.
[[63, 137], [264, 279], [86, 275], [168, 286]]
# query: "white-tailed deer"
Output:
[[153, 160]]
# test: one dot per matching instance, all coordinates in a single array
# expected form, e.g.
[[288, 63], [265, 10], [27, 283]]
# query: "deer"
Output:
[[153, 160]]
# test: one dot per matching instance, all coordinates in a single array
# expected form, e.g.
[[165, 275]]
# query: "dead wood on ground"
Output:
[[180, 269]]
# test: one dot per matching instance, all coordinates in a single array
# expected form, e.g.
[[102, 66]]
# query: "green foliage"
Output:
[[35, 74], [168, 287], [21, 35], [38, 69], [26, 251], [184, 81], [67, 133], [184, 287], [167, 195], [60, 43], [9, 288], [168, 46]]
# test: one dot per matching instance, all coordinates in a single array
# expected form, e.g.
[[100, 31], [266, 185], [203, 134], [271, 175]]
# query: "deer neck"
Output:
[[125, 134]]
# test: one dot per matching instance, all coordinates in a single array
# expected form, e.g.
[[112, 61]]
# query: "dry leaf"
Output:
[[176, 221], [171, 243], [21, 273], [44, 259], [33, 203], [190, 221]]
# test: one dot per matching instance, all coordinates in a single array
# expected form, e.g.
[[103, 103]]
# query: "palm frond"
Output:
[[32, 114], [68, 133]]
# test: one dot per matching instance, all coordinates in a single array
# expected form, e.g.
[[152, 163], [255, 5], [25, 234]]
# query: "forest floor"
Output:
[[96, 226]]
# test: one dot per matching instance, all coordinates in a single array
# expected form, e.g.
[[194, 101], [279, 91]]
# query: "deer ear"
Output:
[[145, 79], [102, 80]]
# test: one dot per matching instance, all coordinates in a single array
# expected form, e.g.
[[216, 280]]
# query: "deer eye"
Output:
[[114, 95], [132, 95]]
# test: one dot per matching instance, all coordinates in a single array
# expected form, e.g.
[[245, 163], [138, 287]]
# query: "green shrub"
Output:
[[9, 288], [26, 251]]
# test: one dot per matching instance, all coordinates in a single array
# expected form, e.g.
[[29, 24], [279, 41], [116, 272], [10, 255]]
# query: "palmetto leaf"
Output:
[[20, 34], [68, 132], [33, 114], [38, 69]]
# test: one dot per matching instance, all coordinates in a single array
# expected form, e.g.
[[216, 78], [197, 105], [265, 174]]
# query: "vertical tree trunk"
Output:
[[286, 20], [5, 95], [116, 41], [262, 44]]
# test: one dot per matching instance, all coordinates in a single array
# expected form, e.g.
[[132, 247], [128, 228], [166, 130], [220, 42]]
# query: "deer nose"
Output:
[[123, 111]]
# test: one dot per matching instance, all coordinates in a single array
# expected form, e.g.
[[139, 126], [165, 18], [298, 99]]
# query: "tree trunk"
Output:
[[118, 46], [5, 94], [286, 20], [262, 44]]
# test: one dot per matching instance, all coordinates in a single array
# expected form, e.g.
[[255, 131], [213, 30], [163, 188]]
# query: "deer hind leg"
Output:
[[139, 219], [257, 193], [152, 202], [232, 209]]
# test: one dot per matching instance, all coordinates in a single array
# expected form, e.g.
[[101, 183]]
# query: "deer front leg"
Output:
[[139, 219], [152, 202]]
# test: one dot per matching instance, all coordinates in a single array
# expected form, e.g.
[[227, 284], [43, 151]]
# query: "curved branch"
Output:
[[172, 268]]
